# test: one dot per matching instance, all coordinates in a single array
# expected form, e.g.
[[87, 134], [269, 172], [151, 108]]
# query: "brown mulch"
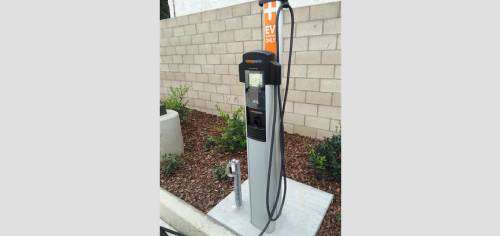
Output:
[[194, 182]]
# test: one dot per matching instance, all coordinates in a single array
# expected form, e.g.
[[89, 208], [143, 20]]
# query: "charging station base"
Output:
[[304, 210]]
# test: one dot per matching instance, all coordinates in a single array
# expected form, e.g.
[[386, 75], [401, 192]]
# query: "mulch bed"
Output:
[[194, 182]]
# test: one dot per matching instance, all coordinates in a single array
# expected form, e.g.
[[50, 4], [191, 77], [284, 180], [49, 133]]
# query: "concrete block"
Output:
[[230, 79], [192, 49], [211, 37], [205, 48], [297, 71], [335, 126], [198, 39], [215, 97], [203, 27], [188, 59], [318, 122], [213, 59], [296, 96], [288, 128], [322, 134], [256, 34], [178, 31], [181, 40], [323, 11], [208, 16], [331, 57], [237, 90], [224, 13], [243, 34], [332, 26], [320, 71], [294, 118], [190, 29], [305, 109], [195, 18], [309, 28], [202, 78], [223, 89], [325, 42], [217, 25], [307, 84], [226, 36], [330, 85], [180, 50], [233, 70], [241, 10], [339, 39], [255, 8], [308, 57], [236, 47], [252, 45], [177, 58], [200, 59], [336, 100], [227, 59], [337, 72], [214, 79], [319, 98], [204, 95], [211, 88], [170, 134], [251, 21], [195, 68], [182, 20], [221, 69], [219, 48], [329, 112], [305, 131], [299, 44], [209, 69], [233, 23], [301, 14]]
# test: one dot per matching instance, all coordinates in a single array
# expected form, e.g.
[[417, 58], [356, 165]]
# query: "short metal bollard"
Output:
[[233, 170]]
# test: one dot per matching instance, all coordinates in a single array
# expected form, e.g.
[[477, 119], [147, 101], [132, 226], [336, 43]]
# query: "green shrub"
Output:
[[176, 101], [326, 157], [233, 137], [220, 173], [169, 163]]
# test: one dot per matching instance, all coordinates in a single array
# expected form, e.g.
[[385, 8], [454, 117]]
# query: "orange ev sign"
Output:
[[270, 26]]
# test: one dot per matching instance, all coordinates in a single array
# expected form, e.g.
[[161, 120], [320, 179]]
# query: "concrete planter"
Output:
[[170, 133]]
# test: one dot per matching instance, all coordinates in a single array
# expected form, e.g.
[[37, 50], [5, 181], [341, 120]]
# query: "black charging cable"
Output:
[[164, 232], [277, 92]]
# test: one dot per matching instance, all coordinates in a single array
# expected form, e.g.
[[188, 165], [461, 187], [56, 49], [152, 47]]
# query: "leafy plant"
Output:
[[233, 137], [219, 173], [326, 157], [176, 101], [169, 163]]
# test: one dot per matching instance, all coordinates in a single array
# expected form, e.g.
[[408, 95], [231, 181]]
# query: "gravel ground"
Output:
[[194, 182]]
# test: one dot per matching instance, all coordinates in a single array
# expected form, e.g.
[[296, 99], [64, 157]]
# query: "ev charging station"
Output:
[[260, 71], [265, 191]]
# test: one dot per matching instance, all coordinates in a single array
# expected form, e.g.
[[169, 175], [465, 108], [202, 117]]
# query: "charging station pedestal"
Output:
[[305, 206]]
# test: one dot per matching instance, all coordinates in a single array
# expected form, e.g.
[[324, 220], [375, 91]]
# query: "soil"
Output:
[[194, 182]]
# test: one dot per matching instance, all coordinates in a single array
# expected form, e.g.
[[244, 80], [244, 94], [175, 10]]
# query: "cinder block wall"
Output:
[[203, 51]]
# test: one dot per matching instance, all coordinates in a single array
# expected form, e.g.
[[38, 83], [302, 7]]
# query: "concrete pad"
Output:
[[304, 210]]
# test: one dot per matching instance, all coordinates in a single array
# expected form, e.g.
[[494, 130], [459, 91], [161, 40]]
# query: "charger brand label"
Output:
[[270, 26]]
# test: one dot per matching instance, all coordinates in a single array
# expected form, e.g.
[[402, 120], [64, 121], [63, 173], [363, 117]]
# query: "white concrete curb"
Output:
[[187, 219]]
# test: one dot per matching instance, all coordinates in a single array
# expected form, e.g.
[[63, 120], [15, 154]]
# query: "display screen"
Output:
[[255, 79]]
